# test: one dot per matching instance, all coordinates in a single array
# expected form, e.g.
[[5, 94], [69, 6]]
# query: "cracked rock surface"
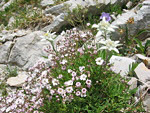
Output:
[[24, 50], [27, 50]]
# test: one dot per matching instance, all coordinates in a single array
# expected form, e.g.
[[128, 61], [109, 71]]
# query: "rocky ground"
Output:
[[22, 48]]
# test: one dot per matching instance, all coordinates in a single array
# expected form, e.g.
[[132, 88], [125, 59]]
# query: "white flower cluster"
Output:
[[29, 97], [76, 86], [104, 28]]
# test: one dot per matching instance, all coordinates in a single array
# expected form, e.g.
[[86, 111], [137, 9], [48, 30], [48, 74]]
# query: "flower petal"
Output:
[[99, 33], [95, 26]]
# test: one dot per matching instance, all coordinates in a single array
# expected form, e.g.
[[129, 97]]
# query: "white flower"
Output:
[[48, 87], [69, 89], [88, 24], [55, 82], [78, 84], [69, 70], [52, 92], [81, 68], [3, 109], [63, 62], [60, 76], [78, 93], [104, 27], [84, 90], [73, 73], [83, 35], [48, 36], [83, 95], [44, 73], [60, 91], [63, 33], [45, 81], [83, 77], [110, 45], [99, 61], [68, 83], [50, 57], [77, 78], [88, 82]]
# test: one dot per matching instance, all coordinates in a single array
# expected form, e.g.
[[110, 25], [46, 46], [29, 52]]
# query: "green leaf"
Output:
[[141, 32], [141, 47], [147, 44]]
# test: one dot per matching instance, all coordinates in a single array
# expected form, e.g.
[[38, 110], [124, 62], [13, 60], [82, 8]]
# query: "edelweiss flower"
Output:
[[48, 36], [110, 45], [99, 61], [103, 27]]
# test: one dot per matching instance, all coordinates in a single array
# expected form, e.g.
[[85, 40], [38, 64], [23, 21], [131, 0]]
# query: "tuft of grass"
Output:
[[11, 72], [56, 2], [27, 14], [3, 90]]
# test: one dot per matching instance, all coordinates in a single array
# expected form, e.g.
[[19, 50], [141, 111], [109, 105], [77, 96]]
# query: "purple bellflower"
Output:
[[106, 15]]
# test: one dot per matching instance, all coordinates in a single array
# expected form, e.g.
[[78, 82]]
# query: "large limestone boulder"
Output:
[[121, 64], [142, 72], [141, 16], [27, 50], [4, 51]]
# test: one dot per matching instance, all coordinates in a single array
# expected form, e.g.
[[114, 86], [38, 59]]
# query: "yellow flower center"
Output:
[[46, 34]]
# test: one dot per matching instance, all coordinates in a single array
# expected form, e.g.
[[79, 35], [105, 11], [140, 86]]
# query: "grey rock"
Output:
[[56, 24], [146, 103], [133, 83], [142, 72], [144, 93], [11, 21], [60, 10], [19, 80], [47, 2], [27, 50], [4, 51], [140, 57], [55, 10], [129, 4], [121, 64], [141, 20], [2, 72], [9, 35]]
